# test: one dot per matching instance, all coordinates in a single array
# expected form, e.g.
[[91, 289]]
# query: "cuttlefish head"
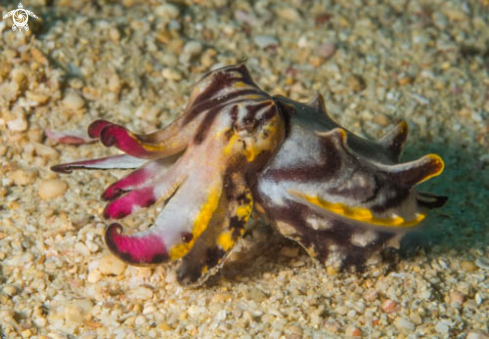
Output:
[[199, 167]]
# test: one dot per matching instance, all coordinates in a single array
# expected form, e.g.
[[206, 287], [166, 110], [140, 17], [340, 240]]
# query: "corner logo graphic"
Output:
[[20, 17]]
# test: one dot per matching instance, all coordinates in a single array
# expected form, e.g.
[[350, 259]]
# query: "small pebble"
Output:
[[468, 266], [76, 310], [482, 262], [141, 292], [19, 123], [371, 295], [289, 252], [326, 50], [110, 265], [190, 50], [94, 276], [390, 306], [51, 188], [289, 13], [297, 263], [114, 34], [73, 101], [264, 41], [26, 333], [246, 18], [456, 298], [352, 331], [10, 290], [38, 98], [23, 178], [439, 20], [296, 330], [331, 325], [171, 74], [442, 327], [477, 335], [256, 294], [478, 298], [114, 83], [9, 90], [356, 83], [341, 309], [18, 74], [167, 12], [403, 323], [381, 119]]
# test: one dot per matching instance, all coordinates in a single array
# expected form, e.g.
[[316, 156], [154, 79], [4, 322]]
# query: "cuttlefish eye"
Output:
[[259, 129], [246, 127]]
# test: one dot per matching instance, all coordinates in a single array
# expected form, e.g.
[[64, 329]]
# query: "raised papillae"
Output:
[[236, 151]]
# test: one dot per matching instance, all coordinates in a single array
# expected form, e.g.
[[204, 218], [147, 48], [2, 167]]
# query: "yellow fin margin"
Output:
[[360, 213]]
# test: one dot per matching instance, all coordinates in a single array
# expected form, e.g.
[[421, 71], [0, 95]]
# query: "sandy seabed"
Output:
[[135, 63]]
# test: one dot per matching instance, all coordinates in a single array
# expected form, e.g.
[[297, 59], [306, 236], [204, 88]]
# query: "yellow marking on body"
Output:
[[205, 269], [225, 240], [243, 212], [152, 148], [253, 96], [404, 127], [360, 213], [439, 162], [239, 84], [146, 146], [200, 224], [250, 153], [343, 134], [229, 146]]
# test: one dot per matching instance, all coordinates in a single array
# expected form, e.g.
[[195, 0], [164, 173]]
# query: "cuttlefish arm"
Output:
[[172, 139], [225, 228], [213, 202]]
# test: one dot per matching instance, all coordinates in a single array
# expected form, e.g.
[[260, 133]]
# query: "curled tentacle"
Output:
[[170, 140]]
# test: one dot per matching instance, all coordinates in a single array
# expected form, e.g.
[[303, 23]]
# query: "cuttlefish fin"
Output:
[[225, 229], [415, 172], [317, 103], [394, 140]]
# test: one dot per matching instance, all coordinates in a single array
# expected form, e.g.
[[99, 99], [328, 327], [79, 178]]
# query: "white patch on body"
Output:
[[363, 239]]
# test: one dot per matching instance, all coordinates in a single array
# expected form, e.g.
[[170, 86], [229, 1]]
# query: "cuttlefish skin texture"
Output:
[[237, 150]]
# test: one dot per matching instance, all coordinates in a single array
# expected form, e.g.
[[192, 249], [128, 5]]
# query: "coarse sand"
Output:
[[135, 62]]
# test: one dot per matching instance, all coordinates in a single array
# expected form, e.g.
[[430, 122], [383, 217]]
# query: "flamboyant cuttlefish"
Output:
[[237, 150]]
